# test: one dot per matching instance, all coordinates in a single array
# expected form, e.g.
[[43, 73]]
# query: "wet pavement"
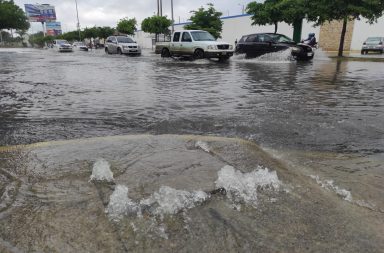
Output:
[[318, 125]]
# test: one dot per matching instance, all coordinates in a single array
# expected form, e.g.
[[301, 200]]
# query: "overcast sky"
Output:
[[108, 12]]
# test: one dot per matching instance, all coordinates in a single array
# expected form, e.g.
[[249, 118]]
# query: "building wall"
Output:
[[328, 35], [330, 32]]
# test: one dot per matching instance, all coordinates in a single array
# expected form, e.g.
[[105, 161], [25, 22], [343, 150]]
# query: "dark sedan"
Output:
[[254, 45]]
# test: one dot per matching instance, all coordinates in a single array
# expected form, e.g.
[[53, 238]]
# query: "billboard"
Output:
[[53, 28], [40, 12]]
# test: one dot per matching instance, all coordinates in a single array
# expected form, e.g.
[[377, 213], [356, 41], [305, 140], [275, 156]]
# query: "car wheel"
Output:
[[198, 54], [106, 50], [165, 53], [119, 51]]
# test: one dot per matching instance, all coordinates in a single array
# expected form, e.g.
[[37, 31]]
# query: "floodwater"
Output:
[[309, 179]]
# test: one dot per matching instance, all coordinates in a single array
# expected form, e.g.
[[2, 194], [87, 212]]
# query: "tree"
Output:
[[105, 31], [156, 25], [127, 26], [39, 40], [272, 12], [329, 10], [207, 20], [12, 16]]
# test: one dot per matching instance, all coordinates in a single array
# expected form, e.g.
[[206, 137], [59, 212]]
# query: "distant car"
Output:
[[80, 46], [121, 45], [374, 44], [62, 46], [254, 45]]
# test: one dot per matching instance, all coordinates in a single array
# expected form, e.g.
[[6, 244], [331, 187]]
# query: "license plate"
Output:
[[133, 50], [310, 54], [224, 53]]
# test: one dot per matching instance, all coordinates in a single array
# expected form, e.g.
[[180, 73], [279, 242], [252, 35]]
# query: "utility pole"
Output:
[[173, 20], [78, 22], [161, 8]]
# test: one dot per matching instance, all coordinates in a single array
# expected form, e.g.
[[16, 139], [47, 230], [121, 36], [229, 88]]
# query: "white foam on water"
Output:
[[243, 187], [170, 201], [166, 201], [202, 145], [101, 171], [329, 185], [120, 204]]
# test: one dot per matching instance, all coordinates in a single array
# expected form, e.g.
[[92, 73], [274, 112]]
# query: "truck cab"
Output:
[[197, 44]]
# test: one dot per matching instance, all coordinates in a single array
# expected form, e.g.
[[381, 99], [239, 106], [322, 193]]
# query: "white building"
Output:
[[236, 26]]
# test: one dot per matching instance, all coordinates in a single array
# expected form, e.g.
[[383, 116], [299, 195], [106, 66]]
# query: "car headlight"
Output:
[[296, 49], [211, 47], [230, 47]]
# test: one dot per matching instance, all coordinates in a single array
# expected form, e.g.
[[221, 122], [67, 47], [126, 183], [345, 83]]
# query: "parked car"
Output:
[[122, 45], [254, 45], [194, 43], [80, 46], [62, 46], [374, 44]]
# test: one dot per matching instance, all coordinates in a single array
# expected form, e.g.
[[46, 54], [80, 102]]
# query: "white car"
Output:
[[80, 46], [122, 45], [62, 46], [195, 43]]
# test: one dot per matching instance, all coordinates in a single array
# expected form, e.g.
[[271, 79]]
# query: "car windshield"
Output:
[[124, 40], [373, 39], [281, 38], [202, 36], [61, 42]]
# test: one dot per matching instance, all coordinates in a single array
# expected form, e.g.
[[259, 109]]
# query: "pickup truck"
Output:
[[196, 44]]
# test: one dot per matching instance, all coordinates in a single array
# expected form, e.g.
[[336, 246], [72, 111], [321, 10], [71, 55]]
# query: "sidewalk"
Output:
[[356, 56]]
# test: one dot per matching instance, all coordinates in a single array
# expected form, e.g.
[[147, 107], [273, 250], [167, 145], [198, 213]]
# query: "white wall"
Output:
[[236, 26], [363, 30]]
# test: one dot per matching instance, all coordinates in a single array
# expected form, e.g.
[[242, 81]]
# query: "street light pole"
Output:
[[78, 22]]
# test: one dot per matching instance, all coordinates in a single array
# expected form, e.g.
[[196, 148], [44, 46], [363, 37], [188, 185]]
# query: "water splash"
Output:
[[166, 201], [284, 56], [243, 187], [101, 171], [121, 205], [202, 145], [329, 185], [170, 201]]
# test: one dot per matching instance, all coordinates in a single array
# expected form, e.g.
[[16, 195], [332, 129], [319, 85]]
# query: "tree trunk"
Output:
[[276, 27], [342, 37]]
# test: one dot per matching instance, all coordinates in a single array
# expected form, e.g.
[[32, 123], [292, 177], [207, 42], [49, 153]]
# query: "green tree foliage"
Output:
[[12, 16], [271, 12], [90, 32], [207, 20], [70, 36], [127, 26], [327, 10], [105, 31], [156, 25], [38, 39]]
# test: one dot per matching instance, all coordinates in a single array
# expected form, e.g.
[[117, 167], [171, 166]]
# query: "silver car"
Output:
[[374, 44], [121, 45]]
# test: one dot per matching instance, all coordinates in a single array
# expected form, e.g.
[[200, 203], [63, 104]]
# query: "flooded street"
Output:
[[144, 154]]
